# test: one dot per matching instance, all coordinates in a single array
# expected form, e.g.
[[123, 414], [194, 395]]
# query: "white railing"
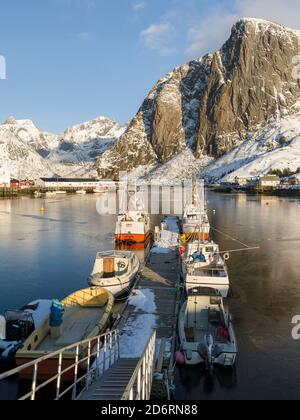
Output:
[[92, 358], [140, 384]]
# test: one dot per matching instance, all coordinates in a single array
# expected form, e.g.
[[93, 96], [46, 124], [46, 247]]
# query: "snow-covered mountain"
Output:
[[27, 151], [275, 146], [230, 107]]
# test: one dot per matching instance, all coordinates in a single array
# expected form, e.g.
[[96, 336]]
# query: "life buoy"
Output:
[[226, 256]]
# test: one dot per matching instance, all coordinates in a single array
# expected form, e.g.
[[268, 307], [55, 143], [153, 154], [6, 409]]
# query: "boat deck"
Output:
[[78, 323], [199, 324]]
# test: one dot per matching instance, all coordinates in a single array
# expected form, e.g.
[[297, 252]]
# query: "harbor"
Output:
[[158, 283]]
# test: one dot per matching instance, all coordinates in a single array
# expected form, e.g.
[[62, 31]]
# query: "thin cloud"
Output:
[[139, 7], [159, 37], [84, 36], [210, 33]]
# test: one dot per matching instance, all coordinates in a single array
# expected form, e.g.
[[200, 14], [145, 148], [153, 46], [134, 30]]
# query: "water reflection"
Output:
[[265, 297], [51, 254]]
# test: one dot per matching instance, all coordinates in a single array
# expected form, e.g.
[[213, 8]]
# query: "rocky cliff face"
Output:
[[209, 105]]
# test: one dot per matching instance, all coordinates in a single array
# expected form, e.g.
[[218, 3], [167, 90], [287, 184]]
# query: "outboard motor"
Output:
[[19, 325], [206, 351]]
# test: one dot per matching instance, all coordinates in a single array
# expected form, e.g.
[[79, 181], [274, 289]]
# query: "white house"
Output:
[[269, 181], [4, 178]]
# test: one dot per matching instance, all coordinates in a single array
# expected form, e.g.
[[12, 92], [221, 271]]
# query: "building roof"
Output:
[[69, 180], [270, 178]]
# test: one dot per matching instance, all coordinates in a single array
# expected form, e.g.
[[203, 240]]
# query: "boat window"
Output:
[[210, 249]]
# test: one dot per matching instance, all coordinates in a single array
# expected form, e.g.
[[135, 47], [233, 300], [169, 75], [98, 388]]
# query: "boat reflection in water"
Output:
[[141, 250]]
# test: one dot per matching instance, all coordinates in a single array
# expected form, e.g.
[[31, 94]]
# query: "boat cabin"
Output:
[[108, 265]]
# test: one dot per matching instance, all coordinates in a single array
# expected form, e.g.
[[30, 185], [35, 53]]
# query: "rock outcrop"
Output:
[[209, 105]]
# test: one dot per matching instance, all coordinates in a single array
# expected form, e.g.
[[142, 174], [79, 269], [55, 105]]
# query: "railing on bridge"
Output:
[[92, 358], [140, 385]]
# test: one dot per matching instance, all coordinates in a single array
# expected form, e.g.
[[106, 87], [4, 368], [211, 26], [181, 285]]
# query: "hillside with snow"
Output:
[[275, 146], [29, 152]]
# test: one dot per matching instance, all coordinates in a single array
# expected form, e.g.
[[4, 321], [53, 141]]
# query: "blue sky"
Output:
[[69, 61]]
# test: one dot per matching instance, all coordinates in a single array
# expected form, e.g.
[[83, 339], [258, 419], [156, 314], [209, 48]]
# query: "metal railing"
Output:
[[92, 358], [140, 384]]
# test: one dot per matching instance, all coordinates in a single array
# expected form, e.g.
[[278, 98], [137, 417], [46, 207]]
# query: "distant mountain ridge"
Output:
[[211, 106], [28, 151]]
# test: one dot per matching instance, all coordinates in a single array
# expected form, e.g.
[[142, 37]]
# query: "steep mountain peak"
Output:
[[210, 104], [262, 24]]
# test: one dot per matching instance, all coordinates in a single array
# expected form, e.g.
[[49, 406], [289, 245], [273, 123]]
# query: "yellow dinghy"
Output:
[[86, 315]]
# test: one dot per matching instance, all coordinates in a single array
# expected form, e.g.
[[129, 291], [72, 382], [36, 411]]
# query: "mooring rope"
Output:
[[230, 237]]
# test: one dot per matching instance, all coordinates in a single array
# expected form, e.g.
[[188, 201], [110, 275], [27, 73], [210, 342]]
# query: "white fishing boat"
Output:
[[115, 271], [195, 220], [203, 266], [205, 330], [133, 227], [81, 192]]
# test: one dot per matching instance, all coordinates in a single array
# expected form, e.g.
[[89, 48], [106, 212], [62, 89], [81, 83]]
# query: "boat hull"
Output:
[[190, 230], [120, 283], [48, 369], [224, 359], [138, 238]]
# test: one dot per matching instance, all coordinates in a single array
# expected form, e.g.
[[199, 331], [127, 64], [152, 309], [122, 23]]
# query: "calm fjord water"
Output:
[[265, 297], [50, 255]]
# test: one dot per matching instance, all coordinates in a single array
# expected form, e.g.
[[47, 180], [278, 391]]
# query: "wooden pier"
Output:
[[161, 278]]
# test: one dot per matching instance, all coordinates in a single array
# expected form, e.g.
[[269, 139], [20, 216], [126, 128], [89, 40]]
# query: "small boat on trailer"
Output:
[[204, 266], [115, 271], [86, 314], [205, 330]]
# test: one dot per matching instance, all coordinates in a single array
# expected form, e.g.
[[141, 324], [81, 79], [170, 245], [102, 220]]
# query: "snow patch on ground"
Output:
[[168, 239], [140, 325], [274, 146], [180, 168]]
